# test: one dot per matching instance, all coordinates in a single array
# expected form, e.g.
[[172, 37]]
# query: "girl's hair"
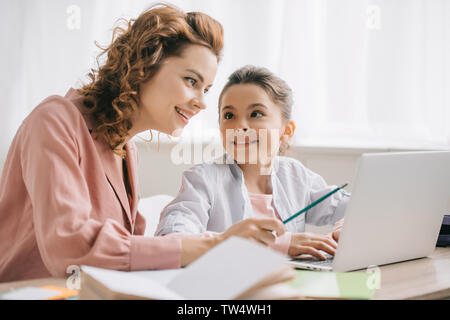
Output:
[[277, 89], [134, 56]]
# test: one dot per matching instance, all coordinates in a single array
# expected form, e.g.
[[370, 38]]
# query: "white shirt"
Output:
[[213, 196]]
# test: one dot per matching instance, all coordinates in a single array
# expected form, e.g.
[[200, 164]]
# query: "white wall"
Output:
[[159, 175]]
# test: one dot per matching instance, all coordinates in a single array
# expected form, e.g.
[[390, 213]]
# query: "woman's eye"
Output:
[[228, 116], [256, 114], [206, 91]]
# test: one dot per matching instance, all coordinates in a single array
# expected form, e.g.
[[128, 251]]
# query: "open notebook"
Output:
[[235, 269]]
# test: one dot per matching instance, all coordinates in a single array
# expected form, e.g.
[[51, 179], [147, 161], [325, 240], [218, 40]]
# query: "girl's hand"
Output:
[[311, 243], [336, 230], [255, 229]]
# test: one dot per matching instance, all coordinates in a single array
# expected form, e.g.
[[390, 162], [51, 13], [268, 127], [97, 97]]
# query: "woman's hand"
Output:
[[311, 243], [255, 229]]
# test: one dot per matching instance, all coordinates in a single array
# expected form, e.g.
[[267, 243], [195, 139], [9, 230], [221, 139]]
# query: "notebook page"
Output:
[[128, 283], [227, 270]]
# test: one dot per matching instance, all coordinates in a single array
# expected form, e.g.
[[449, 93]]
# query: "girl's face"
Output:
[[175, 93], [251, 124]]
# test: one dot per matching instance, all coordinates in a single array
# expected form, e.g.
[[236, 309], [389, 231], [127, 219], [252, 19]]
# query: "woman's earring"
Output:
[[145, 140], [158, 140]]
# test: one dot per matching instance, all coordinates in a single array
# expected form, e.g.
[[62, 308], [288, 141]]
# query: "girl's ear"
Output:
[[288, 131]]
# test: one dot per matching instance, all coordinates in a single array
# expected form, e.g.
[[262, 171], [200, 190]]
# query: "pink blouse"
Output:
[[63, 202], [263, 206]]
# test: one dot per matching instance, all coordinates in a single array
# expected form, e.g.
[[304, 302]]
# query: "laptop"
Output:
[[395, 211]]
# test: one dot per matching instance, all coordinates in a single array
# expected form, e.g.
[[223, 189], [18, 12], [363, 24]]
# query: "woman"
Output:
[[69, 192]]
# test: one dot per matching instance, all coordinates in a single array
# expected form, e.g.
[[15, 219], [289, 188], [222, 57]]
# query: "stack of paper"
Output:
[[235, 269]]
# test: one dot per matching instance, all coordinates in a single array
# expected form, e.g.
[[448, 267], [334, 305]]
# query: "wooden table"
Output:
[[426, 278]]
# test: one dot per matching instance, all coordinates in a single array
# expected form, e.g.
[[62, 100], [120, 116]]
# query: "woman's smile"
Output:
[[184, 114]]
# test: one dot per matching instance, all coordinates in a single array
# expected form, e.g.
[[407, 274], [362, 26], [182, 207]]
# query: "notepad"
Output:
[[341, 285], [233, 269]]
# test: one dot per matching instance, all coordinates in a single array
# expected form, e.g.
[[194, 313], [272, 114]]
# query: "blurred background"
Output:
[[367, 75]]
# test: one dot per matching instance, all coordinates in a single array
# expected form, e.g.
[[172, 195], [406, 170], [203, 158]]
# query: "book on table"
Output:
[[235, 269]]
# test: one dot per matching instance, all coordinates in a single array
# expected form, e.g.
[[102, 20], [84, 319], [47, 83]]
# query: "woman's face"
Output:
[[175, 93], [251, 124]]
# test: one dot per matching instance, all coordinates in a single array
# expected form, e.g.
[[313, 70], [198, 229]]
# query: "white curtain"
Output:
[[364, 73], [369, 73]]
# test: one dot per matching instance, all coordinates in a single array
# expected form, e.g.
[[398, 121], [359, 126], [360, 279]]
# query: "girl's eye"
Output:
[[228, 116], [191, 81], [256, 114], [206, 91]]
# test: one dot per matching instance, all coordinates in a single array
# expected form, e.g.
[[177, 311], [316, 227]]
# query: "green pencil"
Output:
[[314, 203]]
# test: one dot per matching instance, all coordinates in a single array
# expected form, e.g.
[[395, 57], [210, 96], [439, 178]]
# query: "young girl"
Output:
[[253, 180]]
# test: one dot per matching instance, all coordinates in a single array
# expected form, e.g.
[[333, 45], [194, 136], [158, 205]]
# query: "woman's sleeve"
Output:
[[189, 211], [65, 232], [330, 210]]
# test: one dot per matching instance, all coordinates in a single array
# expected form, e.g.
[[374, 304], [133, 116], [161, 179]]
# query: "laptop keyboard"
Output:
[[328, 262], [316, 262]]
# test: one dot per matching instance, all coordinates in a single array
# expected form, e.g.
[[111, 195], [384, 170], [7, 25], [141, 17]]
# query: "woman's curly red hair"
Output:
[[135, 54]]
